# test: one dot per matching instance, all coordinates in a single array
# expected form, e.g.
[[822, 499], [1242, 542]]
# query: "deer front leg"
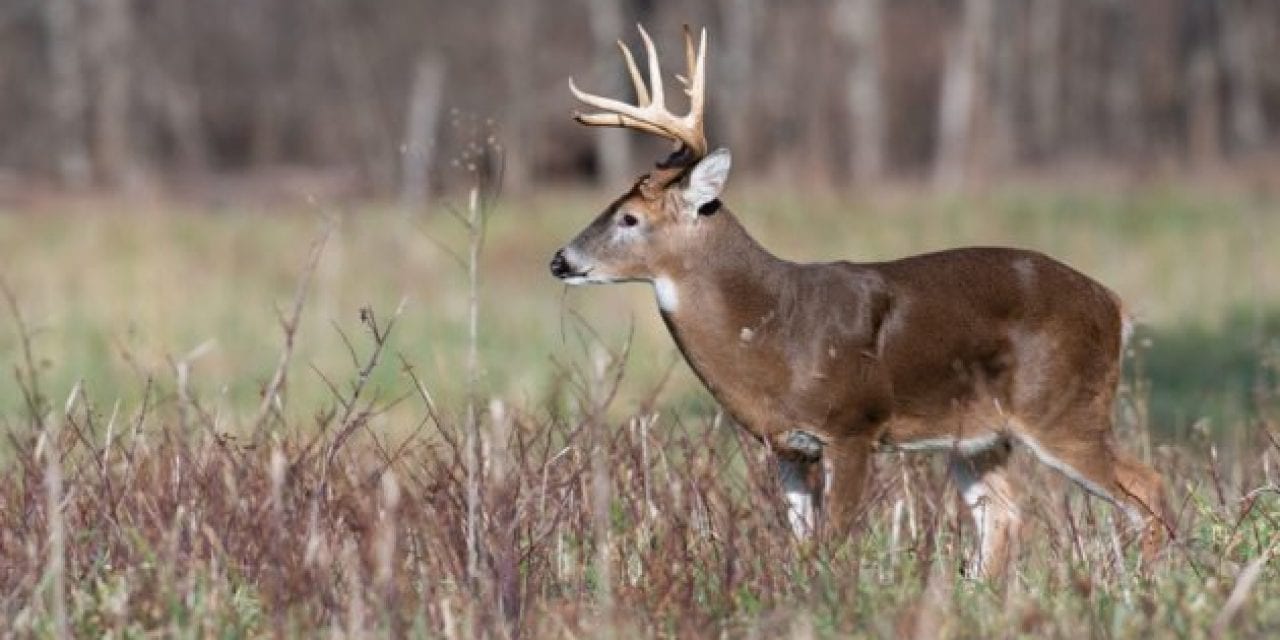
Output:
[[800, 473], [816, 475], [802, 489], [844, 464]]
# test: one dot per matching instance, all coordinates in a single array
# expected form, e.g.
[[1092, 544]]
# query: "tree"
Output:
[[111, 39], [613, 146], [964, 85], [1241, 23], [859, 23], [67, 105]]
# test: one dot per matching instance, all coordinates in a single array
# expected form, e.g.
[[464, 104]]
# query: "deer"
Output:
[[968, 351]]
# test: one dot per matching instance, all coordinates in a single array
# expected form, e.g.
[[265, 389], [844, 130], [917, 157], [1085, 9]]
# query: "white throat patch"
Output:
[[668, 296]]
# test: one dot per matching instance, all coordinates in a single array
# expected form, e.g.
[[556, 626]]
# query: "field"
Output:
[[573, 479]]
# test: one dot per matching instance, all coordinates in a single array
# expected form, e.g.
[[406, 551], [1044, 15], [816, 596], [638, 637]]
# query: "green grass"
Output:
[[115, 296], [180, 522]]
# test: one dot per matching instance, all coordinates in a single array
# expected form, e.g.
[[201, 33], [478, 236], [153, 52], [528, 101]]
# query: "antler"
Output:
[[651, 114]]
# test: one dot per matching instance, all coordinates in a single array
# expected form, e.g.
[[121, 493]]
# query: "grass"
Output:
[[613, 499]]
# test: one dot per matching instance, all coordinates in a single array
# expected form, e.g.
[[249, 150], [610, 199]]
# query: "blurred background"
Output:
[[371, 98], [164, 165]]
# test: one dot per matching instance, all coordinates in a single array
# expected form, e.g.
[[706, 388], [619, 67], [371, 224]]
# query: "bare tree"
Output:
[[517, 45], [1204, 142], [859, 23], [964, 85], [370, 134], [67, 104], [736, 109], [420, 130], [1123, 87], [1241, 22], [613, 146], [1044, 74], [997, 125], [113, 64], [175, 88], [125, 89]]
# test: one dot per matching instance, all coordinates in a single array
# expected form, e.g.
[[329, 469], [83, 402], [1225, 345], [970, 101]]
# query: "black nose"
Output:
[[560, 266]]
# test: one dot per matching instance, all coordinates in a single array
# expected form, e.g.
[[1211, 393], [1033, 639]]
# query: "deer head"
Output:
[[641, 234]]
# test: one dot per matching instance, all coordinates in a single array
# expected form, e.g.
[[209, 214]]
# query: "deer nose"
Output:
[[559, 266]]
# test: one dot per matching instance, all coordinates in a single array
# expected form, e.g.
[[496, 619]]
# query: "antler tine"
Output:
[[642, 93], [698, 75], [688, 61], [650, 114], [655, 70]]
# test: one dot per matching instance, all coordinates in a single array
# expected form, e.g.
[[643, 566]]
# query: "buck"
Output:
[[967, 351]]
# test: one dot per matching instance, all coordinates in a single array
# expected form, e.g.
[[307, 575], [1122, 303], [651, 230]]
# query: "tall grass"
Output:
[[606, 496], [588, 525]]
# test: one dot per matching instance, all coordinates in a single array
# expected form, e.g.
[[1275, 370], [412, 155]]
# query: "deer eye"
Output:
[[628, 220]]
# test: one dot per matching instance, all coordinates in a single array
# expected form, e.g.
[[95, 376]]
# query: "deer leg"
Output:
[[845, 469], [798, 487], [1143, 488], [983, 484], [1095, 465]]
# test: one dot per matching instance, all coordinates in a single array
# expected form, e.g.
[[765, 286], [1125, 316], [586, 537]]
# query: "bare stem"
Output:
[[289, 326], [475, 236]]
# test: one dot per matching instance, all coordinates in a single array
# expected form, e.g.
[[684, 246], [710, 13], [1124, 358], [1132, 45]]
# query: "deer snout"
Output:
[[560, 266]]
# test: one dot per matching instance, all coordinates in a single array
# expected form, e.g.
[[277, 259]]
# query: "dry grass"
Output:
[[150, 499], [641, 526]]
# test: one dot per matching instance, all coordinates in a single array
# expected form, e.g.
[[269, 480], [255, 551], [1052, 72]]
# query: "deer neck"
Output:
[[719, 293]]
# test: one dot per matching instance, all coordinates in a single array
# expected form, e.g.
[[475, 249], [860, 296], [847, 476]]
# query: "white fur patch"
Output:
[[802, 511], [668, 295], [976, 496], [963, 446], [1069, 471], [990, 510]]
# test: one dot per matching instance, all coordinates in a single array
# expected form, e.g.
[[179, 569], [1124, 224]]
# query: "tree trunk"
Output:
[[1240, 26], [1204, 142], [113, 33], [372, 138], [178, 92], [964, 86], [859, 23], [1045, 77], [736, 112], [67, 95], [516, 38], [997, 125], [613, 146], [420, 131], [1123, 97]]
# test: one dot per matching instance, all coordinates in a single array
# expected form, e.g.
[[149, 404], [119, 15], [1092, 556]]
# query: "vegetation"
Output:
[[149, 488]]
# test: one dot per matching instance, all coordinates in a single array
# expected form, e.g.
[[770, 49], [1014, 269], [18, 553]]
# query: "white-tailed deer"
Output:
[[967, 351]]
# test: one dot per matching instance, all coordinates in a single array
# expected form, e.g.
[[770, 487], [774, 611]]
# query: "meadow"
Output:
[[559, 472]]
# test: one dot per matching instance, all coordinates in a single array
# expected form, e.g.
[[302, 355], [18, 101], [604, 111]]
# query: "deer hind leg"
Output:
[[1143, 488], [1088, 457], [982, 480]]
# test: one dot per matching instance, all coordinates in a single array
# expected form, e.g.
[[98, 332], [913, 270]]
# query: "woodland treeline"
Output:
[[383, 97]]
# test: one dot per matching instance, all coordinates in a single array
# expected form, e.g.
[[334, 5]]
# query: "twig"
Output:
[[1240, 593], [31, 386], [290, 328]]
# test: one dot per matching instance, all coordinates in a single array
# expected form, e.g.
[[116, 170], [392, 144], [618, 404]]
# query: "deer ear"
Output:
[[707, 179]]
